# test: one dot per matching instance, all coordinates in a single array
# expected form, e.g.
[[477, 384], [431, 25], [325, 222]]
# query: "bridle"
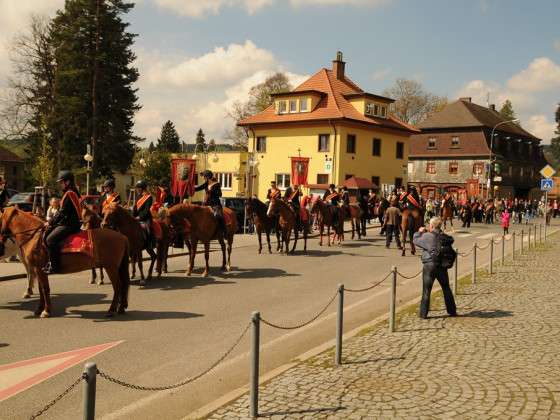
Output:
[[5, 234]]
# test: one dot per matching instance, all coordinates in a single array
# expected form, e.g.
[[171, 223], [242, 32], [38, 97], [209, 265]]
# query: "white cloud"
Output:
[[541, 74], [381, 74], [541, 126]]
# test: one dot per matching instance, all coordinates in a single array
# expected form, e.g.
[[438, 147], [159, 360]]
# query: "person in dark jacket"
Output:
[[213, 193], [427, 241], [65, 223], [109, 194], [332, 197], [391, 224], [292, 196]]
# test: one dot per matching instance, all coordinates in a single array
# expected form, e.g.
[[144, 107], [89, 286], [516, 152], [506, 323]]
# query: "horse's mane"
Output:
[[258, 204], [29, 216]]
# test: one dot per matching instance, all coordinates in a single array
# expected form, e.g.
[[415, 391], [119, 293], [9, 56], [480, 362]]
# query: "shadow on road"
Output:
[[182, 282], [365, 361], [256, 273], [4, 345], [490, 313], [134, 315], [307, 411]]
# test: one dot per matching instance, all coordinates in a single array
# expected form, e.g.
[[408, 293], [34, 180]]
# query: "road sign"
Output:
[[546, 184], [547, 172]]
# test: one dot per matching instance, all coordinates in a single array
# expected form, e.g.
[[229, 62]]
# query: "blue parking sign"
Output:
[[546, 184]]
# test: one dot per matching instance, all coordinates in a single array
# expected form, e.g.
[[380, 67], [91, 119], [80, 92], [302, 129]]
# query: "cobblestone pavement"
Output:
[[498, 359]]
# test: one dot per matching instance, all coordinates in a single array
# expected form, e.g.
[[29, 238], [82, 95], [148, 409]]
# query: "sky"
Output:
[[198, 57]]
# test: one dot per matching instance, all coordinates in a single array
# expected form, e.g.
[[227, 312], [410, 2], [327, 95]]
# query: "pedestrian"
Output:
[[505, 221], [391, 223], [54, 207], [437, 257]]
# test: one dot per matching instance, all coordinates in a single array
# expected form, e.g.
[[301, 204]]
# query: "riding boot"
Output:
[[53, 264]]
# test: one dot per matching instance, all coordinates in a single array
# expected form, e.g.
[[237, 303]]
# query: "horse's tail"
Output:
[[124, 276]]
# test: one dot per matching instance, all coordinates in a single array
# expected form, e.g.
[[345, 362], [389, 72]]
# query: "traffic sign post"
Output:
[[547, 184]]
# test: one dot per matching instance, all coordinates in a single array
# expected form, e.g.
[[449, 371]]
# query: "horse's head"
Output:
[[314, 204], [273, 207], [90, 219], [249, 206], [111, 216], [175, 217]]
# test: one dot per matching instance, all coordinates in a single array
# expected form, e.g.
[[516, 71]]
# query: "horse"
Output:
[[110, 252], [11, 249], [91, 220], [326, 217], [203, 228], [287, 222], [489, 212], [447, 212], [257, 210], [411, 221], [355, 214], [118, 218]]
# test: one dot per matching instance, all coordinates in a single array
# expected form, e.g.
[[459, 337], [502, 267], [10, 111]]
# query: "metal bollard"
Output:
[[540, 233], [474, 264], [535, 237], [392, 302], [513, 246], [255, 341], [503, 249], [491, 255], [521, 246], [456, 282], [529, 239], [90, 380], [339, 325]]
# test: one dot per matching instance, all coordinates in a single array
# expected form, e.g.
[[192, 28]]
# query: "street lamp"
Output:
[[489, 183], [88, 158]]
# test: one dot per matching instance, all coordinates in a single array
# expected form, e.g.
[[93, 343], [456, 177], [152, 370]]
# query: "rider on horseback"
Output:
[[141, 211], [213, 192], [410, 199], [291, 196], [273, 192], [109, 194], [332, 197], [65, 223]]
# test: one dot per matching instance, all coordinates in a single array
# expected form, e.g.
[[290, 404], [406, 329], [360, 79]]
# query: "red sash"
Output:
[[142, 200], [402, 197], [110, 198], [274, 193], [73, 197], [293, 195], [413, 201], [331, 196]]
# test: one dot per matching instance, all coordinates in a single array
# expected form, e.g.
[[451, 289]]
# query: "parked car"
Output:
[[24, 201], [237, 204]]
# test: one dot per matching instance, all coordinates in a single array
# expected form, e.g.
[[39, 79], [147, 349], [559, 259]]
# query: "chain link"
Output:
[[370, 287], [179, 384], [465, 254], [409, 277], [58, 398], [482, 248], [303, 324]]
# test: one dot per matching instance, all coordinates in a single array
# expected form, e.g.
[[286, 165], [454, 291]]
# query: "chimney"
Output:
[[493, 107], [338, 66], [466, 99]]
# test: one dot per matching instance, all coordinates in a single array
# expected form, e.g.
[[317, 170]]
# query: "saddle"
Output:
[[78, 243]]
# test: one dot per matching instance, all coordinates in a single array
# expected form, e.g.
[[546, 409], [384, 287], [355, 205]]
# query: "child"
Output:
[[505, 221], [54, 207]]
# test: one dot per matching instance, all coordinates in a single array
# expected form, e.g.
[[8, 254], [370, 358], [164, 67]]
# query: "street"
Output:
[[176, 326]]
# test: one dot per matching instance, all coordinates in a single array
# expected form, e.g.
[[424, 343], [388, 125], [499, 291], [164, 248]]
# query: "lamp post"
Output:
[[489, 183], [88, 158]]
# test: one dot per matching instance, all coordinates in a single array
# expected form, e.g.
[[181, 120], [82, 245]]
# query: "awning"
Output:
[[355, 183]]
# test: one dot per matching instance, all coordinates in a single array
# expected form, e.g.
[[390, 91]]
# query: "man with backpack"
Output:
[[438, 256]]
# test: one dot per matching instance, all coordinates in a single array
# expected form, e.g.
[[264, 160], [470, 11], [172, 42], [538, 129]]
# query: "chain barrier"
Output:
[[303, 324], [499, 241], [482, 248], [370, 287], [179, 384], [464, 254], [409, 277], [58, 398]]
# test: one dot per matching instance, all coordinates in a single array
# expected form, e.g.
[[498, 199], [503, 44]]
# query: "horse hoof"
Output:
[[26, 295], [228, 268], [142, 283], [109, 314], [101, 283], [92, 281], [45, 314], [205, 274], [121, 311]]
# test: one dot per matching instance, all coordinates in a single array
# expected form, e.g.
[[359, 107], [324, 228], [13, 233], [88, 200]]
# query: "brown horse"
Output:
[[91, 220], [326, 217], [110, 252], [118, 218], [203, 228], [355, 214], [257, 210], [447, 212], [411, 222], [287, 223]]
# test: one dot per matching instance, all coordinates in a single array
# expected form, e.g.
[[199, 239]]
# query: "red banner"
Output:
[[300, 167], [183, 174]]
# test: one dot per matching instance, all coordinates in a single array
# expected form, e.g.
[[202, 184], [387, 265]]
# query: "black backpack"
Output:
[[443, 253]]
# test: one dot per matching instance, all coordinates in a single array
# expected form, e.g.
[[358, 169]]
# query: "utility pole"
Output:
[[94, 131]]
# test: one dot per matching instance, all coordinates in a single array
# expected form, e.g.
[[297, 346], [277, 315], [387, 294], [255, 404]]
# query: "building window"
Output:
[[376, 109], [261, 144], [293, 105], [348, 176], [225, 180], [398, 182], [432, 143], [283, 181], [303, 105], [430, 167], [282, 107], [351, 143], [453, 167], [369, 109], [455, 142], [400, 150], [383, 111], [375, 180], [478, 168], [376, 151], [322, 178], [324, 142]]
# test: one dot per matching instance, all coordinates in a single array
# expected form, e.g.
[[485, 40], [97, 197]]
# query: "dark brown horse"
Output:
[[447, 211], [288, 222], [257, 210], [110, 252], [326, 217], [203, 228], [118, 218], [411, 222], [355, 214], [91, 220]]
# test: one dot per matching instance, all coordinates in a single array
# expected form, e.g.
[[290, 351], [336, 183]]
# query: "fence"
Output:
[[90, 373]]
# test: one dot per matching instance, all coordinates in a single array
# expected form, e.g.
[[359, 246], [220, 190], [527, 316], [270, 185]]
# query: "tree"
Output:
[[200, 138], [158, 168], [151, 147], [95, 100], [169, 140], [43, 168], [259, 99], [555, 142], [507, 112], [412, 103]]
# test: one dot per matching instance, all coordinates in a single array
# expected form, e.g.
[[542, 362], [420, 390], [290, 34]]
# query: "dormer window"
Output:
[[369, 109], [455, 142], [432, 143], [384, 111], [282, 107], [293, 105], [303, 105], [376, 109]]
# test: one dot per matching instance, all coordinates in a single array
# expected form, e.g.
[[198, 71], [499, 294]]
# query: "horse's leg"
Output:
[[267, 232], [101, 276], [329, 235], [411, 237], [229, 247], [133, 263], [404, 229], [93, 276], [296, 234], [46, 295], [192, 254], [352, 224], [278, 239], [259, 232], [153, 258], [39, 275], [114, 277], [223, 246], [321, 229], [140, 267], [30, 280], [206, 258]]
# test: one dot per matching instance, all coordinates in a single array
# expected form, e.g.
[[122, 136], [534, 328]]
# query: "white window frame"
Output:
[[282, 180], [282, 107], [369, 108], [453, 139], [328, 137], [384, 111], [295, 103], [225, 179], [435, 143], [303, 105], [376, 110], [259, 149]]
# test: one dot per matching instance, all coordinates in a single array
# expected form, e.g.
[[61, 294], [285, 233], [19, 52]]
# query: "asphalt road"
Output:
[[177, 326]]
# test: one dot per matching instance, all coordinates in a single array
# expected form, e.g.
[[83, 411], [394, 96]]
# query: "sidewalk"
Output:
[[498, 359]]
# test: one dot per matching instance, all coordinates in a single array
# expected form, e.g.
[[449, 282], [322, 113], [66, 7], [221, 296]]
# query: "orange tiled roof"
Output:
[[333, 105]]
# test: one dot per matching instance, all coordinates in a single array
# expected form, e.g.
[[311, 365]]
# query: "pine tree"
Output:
[[169, 140], [151, 147], [95, 100], [555, 142], [507, 112], [200, 138]]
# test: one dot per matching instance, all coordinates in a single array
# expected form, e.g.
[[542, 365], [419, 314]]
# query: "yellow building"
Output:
[[342, 129]]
